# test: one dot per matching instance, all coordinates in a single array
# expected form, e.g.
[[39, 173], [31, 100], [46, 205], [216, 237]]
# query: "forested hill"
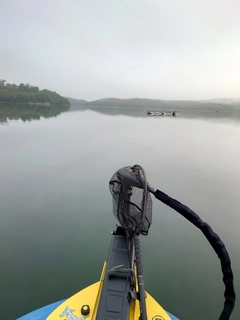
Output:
[[155, 104], [25, 93]]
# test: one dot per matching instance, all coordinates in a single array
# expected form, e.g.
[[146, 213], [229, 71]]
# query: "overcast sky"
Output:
[[90, 49]]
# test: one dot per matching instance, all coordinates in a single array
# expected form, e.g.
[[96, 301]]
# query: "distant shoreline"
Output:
[[45, 104], [31, 95], [215, 105]]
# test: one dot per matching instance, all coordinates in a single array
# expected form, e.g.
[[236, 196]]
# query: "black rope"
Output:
[[217, 245]]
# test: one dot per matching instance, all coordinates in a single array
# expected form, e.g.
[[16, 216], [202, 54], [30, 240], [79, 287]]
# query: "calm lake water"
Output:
[[56, 208]]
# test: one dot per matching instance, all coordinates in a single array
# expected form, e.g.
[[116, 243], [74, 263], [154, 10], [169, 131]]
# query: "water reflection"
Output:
[[10, 112], [51, 172], [25, 112], [211, 115]]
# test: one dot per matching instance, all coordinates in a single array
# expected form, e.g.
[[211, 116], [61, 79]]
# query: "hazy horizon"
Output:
[[144, 98], [90, 50]]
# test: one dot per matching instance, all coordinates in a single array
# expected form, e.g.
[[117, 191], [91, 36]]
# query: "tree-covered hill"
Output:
[[164, 105], [25, 93]]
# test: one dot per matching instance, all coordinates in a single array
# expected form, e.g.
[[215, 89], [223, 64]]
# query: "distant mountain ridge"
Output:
[[223, 101], [76, 101], [157, 104]]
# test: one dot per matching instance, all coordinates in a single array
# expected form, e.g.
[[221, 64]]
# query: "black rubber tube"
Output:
[[142, 296], [217, 245]]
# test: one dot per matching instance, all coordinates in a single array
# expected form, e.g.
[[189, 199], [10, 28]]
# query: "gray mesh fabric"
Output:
[[132, 203]]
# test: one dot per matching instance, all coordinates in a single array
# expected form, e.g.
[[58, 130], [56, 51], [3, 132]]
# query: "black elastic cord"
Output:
[[217, 245]]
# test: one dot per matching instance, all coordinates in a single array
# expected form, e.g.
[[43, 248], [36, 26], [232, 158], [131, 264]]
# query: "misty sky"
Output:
[[90, 49]]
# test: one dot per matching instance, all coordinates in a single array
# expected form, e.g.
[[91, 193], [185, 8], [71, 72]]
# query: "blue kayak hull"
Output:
[[44, 312]]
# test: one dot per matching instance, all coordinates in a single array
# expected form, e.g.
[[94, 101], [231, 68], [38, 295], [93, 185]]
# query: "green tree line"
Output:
[[25, 93]]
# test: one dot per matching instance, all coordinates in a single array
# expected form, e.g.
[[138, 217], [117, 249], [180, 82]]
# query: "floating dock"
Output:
[[161, 113]]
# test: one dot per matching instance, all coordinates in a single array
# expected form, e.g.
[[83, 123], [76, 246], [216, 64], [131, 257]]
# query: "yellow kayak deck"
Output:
[[84, 305]]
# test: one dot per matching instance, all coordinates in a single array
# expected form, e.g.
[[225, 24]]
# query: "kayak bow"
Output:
[[120, 293], [114, 297]]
